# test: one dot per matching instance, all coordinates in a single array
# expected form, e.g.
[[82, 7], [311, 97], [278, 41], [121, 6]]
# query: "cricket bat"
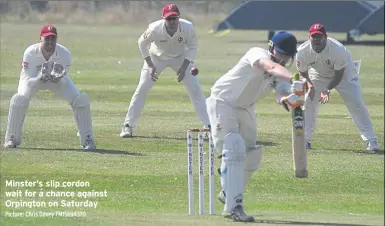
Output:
[[298, 141]]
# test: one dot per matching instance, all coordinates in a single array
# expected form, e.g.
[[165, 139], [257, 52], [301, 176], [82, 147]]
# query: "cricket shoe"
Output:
[[239, 215], [89, 144], [11, 143], [126, 131], [222, 197], [372, 147]]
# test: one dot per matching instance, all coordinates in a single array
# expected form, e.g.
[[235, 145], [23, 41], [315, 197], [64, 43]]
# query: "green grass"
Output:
[[145, 176]]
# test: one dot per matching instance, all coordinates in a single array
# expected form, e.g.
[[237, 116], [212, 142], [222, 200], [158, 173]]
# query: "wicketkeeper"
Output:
[[45, 66]]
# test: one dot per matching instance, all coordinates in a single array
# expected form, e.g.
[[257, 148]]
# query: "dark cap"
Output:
[[317, 29], [284, 42], [170, 10], [48, 30]]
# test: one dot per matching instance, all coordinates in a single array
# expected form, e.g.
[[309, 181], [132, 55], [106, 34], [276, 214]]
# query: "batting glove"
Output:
[[292, 100], [298, 88]]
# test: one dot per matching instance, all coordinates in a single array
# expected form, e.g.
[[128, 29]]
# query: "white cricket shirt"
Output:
[[157, 41], [334, 57], [33, 59], [244, 84]]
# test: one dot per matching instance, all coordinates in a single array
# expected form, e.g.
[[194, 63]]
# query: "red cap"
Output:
[[48, 30], [170, 10], [317, 29]]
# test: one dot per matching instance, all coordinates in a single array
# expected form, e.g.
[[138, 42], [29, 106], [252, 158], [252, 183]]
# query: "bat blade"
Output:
[[298, 142]]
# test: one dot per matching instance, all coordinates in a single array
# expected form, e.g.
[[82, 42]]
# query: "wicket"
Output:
[[201, 171]]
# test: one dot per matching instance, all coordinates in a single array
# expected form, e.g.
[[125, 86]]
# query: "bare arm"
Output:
[[273, 69]]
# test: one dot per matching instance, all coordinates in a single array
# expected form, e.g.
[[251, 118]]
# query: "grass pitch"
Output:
[[145, 177]]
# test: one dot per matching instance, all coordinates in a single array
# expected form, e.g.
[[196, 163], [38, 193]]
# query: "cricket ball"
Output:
[[194, 71]]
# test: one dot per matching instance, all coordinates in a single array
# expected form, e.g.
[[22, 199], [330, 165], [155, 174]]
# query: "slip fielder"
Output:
[[329, 65], [173, 43], [46, 66]]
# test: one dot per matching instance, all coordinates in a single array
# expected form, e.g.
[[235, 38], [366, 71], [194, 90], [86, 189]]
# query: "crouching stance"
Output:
[[45, 67], [231, 110]]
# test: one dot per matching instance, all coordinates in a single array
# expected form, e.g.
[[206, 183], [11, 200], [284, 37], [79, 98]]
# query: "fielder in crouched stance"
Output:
[[329, 65], [169, 42], [45, 67], [231, 109]]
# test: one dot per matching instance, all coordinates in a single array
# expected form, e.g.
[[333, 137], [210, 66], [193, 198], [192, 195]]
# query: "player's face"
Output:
[[49, 43], [172, 22], [318, 42], [280, 58]]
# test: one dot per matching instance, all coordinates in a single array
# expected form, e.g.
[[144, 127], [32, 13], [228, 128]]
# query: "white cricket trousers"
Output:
[[226, 119], [64, 89], [350, 91], [190, 82]]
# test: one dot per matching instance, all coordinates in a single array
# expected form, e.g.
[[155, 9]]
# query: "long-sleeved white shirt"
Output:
[[334, 57], [157, 41], [33, 59], [243, 85]]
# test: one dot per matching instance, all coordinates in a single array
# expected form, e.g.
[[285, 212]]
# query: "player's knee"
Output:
[[81, 101], [233, 148], [19, 100], [253, 158]]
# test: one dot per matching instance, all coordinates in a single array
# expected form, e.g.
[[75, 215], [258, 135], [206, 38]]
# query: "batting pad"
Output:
[[17, 111], [252, 162], [232, 170], [82, 114]]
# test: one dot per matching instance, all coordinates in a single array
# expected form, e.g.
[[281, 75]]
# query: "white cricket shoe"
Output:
[[89, 144], [239, 215], [126, 131], [372, 147], [78, 134], [10, 144]]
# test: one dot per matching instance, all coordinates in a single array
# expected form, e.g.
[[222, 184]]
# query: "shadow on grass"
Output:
[[359, 151], [305, 223], [265, 143], [100, 151]]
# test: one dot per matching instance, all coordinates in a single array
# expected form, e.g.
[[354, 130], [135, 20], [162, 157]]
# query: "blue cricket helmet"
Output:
[[284, 42]]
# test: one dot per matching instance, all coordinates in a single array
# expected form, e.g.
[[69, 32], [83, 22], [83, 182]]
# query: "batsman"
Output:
[[231, 110], [46, 66]]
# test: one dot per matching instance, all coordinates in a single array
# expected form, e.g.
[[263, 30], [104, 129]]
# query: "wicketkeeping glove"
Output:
[[57, 72], [44, 74]]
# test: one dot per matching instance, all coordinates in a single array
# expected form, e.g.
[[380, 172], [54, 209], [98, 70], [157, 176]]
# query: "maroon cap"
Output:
[[317, 29], [170, 10], [48, 30]]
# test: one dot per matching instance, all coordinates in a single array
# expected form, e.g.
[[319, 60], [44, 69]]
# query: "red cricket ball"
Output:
[[194, 71]]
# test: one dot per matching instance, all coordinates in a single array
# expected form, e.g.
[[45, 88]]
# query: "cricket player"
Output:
[[329, 65], [169, 42], [231, 109], [46, 66]]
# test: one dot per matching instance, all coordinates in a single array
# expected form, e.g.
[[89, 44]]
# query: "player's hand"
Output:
[[57, 72], [153, 73], [324, 97], [311, 93], [298, 88], [44, 73], [181, 73], [292, 100]]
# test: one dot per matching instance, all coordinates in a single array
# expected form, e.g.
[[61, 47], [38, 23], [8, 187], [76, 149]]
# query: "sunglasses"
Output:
[[172, 18]]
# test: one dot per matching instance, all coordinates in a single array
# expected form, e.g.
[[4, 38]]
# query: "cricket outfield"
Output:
[[143, 180]]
